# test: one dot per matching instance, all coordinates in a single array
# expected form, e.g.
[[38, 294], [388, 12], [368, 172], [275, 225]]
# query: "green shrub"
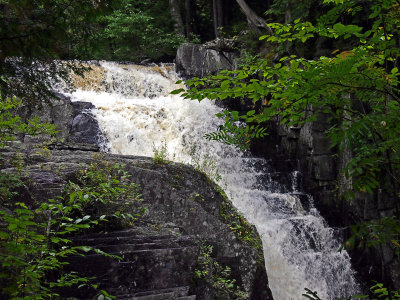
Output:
[[35, 242], [217, 276], [160, 154], [11, 124], [103, 188], [34, 245]]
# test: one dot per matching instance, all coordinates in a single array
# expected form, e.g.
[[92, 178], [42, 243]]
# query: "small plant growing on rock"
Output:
[[217, 276], [160, 153], [103, 188]]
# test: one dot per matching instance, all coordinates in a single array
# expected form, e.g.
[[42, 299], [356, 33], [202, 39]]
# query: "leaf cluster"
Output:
[[35, 243], [132, 30], [104, 188], [34, 246], [35, 33], [217, 276], [11, 124], [374, 233], [357, 90]]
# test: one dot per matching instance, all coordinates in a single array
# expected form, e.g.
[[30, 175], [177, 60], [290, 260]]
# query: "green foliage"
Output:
[[35, 243], [34, 247], [357, 90], [382, 292], [101, 189], [160, 154], [217, 276], [9, 184], [374, 233], [233, 133], [133, 30], [296, 9], [35, 33], [11, 124], [42, 28], [379, 291]]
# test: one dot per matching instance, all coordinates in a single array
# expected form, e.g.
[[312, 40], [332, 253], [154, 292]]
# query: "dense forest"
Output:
[[298, 60]]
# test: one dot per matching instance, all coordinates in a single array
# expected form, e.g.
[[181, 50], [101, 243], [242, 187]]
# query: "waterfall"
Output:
[[137, 115]]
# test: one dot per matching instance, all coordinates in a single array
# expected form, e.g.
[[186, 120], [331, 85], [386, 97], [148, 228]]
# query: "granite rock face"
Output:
[[160, 254], [307, 149], [194, 60], [74, 121]]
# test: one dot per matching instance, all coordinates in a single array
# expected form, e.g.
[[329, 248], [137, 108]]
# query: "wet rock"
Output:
[[85, 129], [324, 168], [74, 121]]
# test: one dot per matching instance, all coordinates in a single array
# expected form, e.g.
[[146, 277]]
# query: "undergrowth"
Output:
[[217, 276], [35, 242]]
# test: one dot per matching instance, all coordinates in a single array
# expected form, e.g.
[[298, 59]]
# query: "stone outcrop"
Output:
[[74, 121], [307, 149], [160, 254], [157, 262], [194, 60], [321, 167]]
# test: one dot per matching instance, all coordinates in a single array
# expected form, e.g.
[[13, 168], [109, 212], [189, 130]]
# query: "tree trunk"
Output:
[[215, 18], [176, 16], [218, 16], [288, 18], [255, 22], [288, 12], [188, 17]]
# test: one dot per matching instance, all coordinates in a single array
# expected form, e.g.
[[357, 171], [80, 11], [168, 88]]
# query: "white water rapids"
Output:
[[137, 115]]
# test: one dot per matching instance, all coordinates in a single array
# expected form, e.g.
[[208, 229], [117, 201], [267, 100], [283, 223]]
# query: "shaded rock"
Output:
[[79, 106], [324, 168], [154, 262], [184, 210], [73, 120], [85, 129], [197, 60]]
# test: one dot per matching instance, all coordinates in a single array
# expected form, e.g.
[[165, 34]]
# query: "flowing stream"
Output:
[[137, 115]]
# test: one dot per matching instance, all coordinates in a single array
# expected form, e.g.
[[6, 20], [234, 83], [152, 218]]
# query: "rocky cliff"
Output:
[[185, 212], [194, 60]]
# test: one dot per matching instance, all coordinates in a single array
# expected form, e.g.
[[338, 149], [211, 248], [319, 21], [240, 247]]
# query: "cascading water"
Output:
[[137, 114]]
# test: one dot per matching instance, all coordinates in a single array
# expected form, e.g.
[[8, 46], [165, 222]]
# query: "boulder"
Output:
[[184, 210], [194, 60], [74, 120]]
